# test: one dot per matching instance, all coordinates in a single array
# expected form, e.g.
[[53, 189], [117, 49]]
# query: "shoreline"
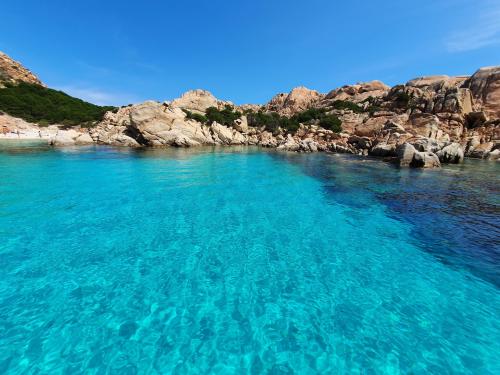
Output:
[[393, 160]]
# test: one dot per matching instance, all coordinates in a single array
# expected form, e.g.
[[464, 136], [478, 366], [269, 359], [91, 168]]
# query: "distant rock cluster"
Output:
[[423, 123]]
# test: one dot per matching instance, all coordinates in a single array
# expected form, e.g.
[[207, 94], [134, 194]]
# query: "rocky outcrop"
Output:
[[198, 101], [422, 123], [70, 137], [451, 153], [151, 124], [359, 92], [299, 99], [15, 128], [383, 149], [163, 124], [485, 87], [408, 156], [436, 83], [13, 72]]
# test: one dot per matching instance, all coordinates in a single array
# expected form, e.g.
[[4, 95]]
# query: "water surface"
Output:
[[245, 261]]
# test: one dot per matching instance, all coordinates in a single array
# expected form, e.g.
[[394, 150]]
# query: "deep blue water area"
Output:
[[245, 261]]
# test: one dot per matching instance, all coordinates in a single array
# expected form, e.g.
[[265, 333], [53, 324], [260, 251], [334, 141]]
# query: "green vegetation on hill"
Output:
[[226, 116], [195, 116], [345, 104], [272, 120], [46, 106]]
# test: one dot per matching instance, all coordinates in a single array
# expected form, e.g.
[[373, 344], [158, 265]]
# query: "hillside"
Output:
[[23, 95], [45, 106]]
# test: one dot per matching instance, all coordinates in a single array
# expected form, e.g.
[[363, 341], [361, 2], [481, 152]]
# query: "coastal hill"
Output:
[[422, 123], [12, 71], [23, 95]]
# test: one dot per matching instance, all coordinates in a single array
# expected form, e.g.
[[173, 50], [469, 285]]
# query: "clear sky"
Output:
[[118, 52]]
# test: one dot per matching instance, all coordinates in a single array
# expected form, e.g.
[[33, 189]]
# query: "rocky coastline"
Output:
[[423, 123]]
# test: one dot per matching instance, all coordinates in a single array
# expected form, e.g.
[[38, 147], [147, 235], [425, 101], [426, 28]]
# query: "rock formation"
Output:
[[299, 99], [485, 88], [198, 101], [359, 92], [163, 124], [12, 72], [422, 123]]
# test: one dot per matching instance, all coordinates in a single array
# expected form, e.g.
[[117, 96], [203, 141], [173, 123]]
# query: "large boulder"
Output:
[[409, 157], [161, 125], [308, 145], [151, 124], [494, 154], [197, 101], [298, 100], [485, 87], [383, 149], [425, 160], [482, 150], [241, 124], [225, 135], [426, 144], [290, 144], [436, 83], [359, 92], [266, 139], [70, 137], [371, 126], [452, 153], [405, 154]]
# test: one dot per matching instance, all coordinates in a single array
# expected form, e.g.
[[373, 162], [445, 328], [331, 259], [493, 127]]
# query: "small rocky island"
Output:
[[422, 123]]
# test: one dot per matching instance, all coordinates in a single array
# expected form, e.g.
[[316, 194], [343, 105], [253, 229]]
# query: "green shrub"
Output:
[[346, 105], [272, 120], [309, 115], [331, 122], [38, 104], [402, 99], [195, 116], [227, 116], [326, 121], [372, 109]]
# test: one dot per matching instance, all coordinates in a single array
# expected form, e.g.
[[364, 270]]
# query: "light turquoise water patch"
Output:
[[181, 261]]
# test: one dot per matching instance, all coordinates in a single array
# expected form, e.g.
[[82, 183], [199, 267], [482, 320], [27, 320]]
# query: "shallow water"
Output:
[[245, 261]]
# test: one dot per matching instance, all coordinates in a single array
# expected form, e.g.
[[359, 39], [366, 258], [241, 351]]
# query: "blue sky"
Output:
[[119, 52]]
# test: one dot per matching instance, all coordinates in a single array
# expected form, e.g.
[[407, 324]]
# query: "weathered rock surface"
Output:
[[485, 87], [409, 157], [452, 153], [151, 124], [13, 72], [299, 99], [70, 137], [198, 101], [383, 149], [359, 92]]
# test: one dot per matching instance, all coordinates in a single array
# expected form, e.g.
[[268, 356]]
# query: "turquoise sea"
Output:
[[245, 261]]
